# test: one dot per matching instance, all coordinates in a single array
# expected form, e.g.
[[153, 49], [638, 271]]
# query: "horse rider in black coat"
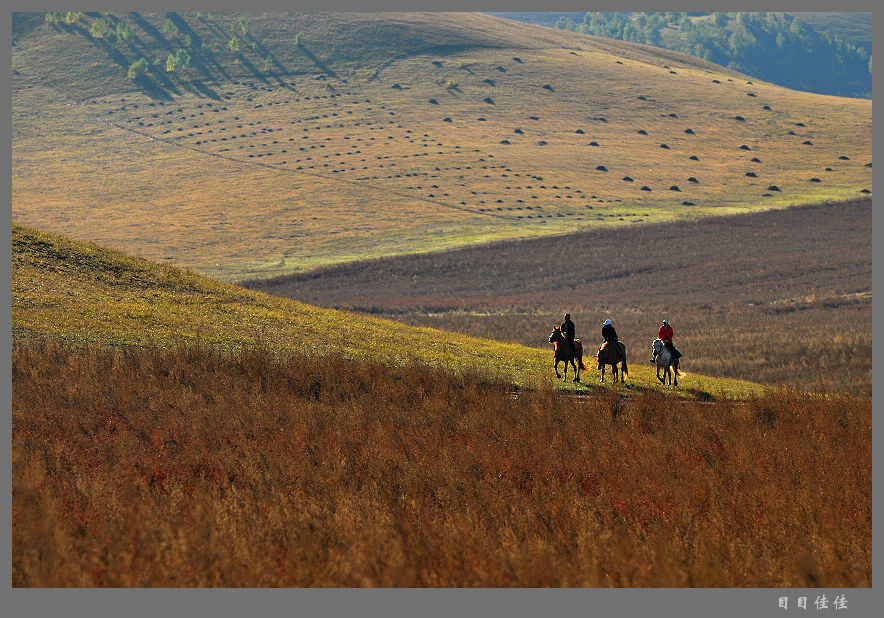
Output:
[[610, 336], [568, 332]]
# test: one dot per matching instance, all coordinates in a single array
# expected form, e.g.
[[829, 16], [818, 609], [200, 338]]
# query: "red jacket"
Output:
[[665, 334]]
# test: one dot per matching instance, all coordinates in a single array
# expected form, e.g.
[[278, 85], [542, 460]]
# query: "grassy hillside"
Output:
[[778, 296], [79, 292], [188, 468], [334, 137]]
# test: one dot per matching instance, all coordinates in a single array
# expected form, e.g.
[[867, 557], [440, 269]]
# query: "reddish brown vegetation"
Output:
[[775, 297], [191, 468]]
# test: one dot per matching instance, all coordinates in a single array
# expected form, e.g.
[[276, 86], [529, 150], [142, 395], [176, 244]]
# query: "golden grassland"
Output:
[[345, 152], [189, 467], [78, 291]]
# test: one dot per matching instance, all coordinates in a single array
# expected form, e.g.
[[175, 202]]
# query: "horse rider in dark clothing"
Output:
[[568, 332], [610, 337]]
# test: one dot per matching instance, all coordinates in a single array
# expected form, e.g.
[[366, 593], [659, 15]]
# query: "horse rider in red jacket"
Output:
[[665, 333]]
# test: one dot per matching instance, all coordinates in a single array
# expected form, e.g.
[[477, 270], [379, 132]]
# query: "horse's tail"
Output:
[[624, 368], [578, 345]]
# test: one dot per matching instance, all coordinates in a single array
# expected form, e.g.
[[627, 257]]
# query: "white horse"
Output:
[[663, 359]]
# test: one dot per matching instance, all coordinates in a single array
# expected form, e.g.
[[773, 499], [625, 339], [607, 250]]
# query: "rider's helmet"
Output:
[[607, 323], [665, 322]]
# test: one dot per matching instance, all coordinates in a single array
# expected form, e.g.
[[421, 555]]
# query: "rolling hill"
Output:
[[276, 143], [83, 293], [781, 296], [826, 53]]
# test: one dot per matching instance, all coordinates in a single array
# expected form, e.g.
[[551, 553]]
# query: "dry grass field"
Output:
[[777, 297], [388, 134], [186, 467]]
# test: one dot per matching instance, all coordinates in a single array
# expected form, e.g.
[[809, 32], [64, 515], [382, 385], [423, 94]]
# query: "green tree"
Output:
[[182, 57], [170, 28], [73, 17], [171, 62], [685, 25], [98, 29], [268, 63], [243, 24], [742, 41], [719, 19], [234, 45], [566, 23], [125, 31], [299, 38], [138, 68]]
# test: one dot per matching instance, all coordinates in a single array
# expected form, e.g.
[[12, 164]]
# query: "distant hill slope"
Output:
[[777, 296], [261, 144], [82, 292], [822, 52]]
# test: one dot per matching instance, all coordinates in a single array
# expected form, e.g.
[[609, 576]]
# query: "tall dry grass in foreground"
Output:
[[190, 468]]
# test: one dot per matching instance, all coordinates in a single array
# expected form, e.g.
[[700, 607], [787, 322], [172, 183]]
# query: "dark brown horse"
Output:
[[564, 354], [609, 355]]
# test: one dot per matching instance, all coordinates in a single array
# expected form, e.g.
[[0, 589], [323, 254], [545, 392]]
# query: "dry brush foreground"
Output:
[[191, 468]]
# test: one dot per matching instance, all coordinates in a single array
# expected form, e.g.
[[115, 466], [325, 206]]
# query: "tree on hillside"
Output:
[[125, 31], [774, 46], [175, 61], [99, 29], [234, 45], [566, 23], [170, 28], [138, 68], [73, 17]]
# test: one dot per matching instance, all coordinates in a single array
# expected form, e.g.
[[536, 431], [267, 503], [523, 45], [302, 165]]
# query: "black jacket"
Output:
[[608, 333], [568, 330]]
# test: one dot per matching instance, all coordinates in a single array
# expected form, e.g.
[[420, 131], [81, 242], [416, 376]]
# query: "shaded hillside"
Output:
[[366, 135], [827, 53], [776, 296]]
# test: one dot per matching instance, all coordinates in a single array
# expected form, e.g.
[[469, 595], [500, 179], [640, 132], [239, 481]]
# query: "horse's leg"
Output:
[[663, 379], [557, 369]]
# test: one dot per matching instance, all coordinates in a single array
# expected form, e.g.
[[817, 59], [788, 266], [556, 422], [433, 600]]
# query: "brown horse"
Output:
[[564, 354], [609, 355]]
